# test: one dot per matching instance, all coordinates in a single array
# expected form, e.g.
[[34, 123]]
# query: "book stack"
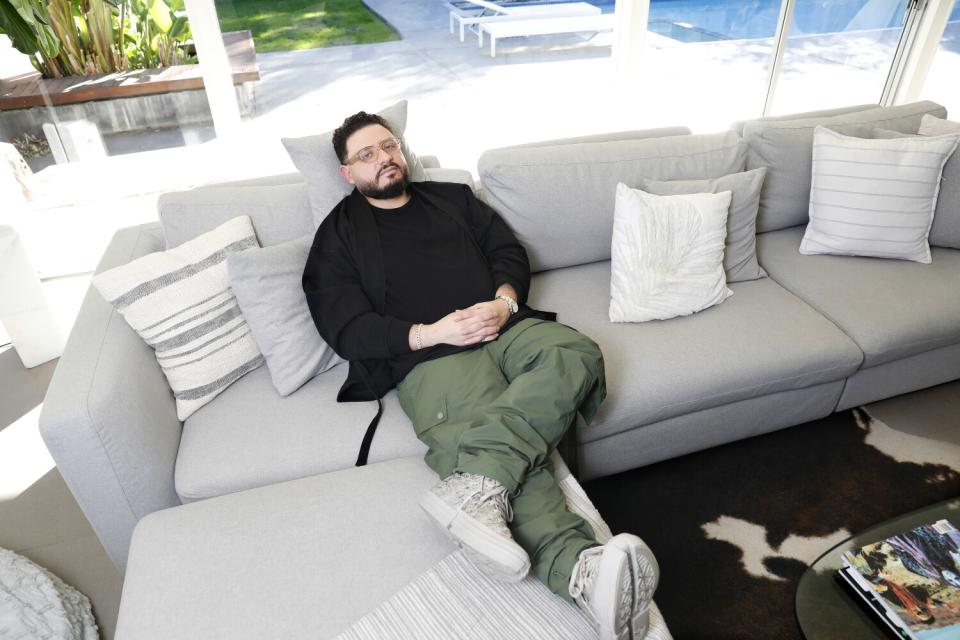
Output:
[[910, 582]]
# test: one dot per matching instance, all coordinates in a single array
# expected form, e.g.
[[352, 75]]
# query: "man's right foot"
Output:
[[475, 510], [614, 585]]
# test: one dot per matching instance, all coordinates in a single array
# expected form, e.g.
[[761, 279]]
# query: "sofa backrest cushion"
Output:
[[278, 205], [823, 113], [559, 199], [279, 212], [946, 222], [785, 147], [633, 134]]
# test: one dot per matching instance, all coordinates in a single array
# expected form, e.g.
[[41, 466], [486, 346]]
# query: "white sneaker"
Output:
[[475, 510], [614, 584]]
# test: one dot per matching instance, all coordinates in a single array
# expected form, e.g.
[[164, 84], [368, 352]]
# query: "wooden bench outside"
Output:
[[34, 91], [545, 26]]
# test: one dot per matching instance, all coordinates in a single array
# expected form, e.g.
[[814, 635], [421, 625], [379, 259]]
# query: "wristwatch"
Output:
[[511, 303]]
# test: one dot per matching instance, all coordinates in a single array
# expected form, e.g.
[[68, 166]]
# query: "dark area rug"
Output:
[[734, 527]]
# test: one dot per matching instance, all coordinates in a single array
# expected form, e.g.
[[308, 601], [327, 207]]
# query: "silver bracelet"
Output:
[[419, 342]]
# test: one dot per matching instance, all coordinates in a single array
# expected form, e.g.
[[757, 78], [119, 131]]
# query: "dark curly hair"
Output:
[[350, 126]]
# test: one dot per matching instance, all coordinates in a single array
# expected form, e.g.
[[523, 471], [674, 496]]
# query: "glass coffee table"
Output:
[[824, 610]]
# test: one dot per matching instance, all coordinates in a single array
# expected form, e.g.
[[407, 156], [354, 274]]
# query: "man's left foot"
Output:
[[614, 585], [475, 510]]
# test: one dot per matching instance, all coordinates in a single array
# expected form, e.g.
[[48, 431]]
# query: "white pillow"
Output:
[[180, 302], [874, 197], [316, 160], [667, 254]]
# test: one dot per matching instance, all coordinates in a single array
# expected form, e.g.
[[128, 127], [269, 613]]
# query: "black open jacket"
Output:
[[344, 281]]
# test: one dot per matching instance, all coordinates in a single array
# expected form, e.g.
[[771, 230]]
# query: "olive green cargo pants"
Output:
[[499, 410]]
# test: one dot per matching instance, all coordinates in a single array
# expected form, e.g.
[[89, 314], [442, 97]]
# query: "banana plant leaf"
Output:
[[160, 14], [19, 32], [44, 38]]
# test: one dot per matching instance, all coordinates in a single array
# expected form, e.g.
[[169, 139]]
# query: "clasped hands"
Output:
[[478, 323]]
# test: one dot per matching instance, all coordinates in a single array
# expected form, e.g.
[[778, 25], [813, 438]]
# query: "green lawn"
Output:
[[285, 25]]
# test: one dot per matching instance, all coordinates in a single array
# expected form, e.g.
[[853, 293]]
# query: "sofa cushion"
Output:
[[278, 205], [740, 251], [785, 147], [633, 134], [251, 436], [667, 254], [946, 221], [874, 197], [821, 113], [318, 162], [890, 308], [279, 212], [761, 340], [268, 285], [302, 559], [559, 199], [180, 303]]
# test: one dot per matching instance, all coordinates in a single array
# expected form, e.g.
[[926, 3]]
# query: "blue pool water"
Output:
[[706, 20]]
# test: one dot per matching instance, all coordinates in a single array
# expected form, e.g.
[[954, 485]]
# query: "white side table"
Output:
[[24, 311]]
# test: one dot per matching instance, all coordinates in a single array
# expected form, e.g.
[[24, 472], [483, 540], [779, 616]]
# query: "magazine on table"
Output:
[[910, 581]]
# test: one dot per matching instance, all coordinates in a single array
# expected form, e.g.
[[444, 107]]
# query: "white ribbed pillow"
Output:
[[667, 254], [874, 197], [180, 302]]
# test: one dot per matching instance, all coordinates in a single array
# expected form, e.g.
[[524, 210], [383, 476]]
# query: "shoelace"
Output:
[[497, 494], [585, 572]]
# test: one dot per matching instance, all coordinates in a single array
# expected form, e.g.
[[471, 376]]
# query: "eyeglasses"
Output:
[[369, 154]]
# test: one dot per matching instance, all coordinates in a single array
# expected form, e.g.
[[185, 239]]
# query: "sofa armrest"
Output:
[[109, 417]]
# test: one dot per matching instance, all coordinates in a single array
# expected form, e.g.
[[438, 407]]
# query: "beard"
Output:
[[395, 187]]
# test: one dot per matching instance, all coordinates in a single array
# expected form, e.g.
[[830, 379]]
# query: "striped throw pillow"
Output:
[[874, 197], [180, 302]]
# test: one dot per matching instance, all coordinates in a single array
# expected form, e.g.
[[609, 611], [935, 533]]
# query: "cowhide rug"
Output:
[[734, 527]]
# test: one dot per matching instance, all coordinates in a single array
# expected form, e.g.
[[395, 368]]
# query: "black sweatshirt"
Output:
[[370, 276]]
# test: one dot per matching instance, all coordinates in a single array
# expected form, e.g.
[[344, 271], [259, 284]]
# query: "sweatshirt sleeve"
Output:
[[344, 316], [506, 256]]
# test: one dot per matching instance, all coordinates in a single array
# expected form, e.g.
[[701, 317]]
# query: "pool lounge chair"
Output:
[[545, 26], [473, 13]]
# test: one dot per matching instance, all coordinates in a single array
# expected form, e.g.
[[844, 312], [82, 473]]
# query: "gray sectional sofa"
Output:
[[817, 335]]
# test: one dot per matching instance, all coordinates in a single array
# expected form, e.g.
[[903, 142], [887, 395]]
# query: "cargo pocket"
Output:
[[431, 415]]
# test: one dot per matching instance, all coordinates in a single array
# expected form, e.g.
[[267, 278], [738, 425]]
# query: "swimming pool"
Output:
[[711, 20]]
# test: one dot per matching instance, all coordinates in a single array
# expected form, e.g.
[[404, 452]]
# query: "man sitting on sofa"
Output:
[[422, 286]]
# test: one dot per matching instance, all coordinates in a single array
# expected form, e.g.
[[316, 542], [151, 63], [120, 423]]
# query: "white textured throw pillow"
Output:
[[874, 197], [667, 254], [180, 302]]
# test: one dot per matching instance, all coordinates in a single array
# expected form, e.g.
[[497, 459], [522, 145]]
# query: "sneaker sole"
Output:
[[505, 559], [644, 575]]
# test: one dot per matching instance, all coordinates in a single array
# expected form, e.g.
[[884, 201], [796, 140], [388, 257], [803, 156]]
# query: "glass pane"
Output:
[[943, 81], [839, 53], [708, 60], [105, 107]]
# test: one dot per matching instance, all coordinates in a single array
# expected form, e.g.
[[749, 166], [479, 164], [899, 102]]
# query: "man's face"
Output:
[[382, 178]]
